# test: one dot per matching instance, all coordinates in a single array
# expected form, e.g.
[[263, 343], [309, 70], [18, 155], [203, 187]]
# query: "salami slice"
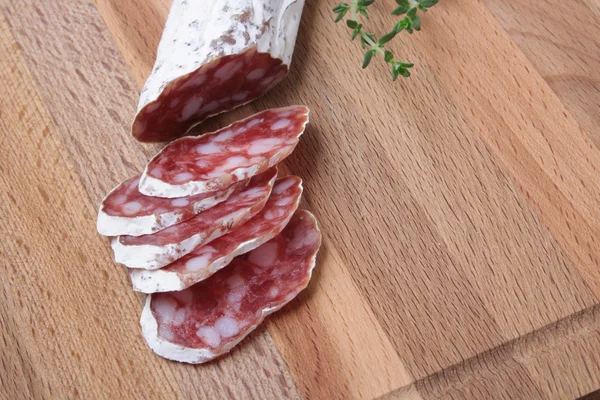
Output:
[[208, 259], [214, 55], [163, 247], [193, 165], [125, 211], [209, 318]]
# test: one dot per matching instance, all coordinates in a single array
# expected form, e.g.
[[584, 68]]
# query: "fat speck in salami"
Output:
[[214, 55], [205, 260], [163, 247], [209, 318], [214, 161]]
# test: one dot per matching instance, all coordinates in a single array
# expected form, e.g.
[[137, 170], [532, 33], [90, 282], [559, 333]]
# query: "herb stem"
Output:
[[366, 38], [372, 43], [354, 10]]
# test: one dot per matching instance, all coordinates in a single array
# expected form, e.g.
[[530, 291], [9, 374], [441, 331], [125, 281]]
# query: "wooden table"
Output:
[[460, 208]]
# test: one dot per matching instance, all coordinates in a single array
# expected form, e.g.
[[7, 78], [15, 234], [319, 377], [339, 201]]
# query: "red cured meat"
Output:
[[208, 319], [163, 247], [191, 99], [214, 55], [214, 161], [208, 259], [125, 211]]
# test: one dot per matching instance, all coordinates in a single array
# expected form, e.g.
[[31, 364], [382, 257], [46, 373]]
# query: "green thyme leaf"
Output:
[[400, 10], [386, 38], [417, 23], [388, 56], [340, 15], [428, 3], [368, 55]]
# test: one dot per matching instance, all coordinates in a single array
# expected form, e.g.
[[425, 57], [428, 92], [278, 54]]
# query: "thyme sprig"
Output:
[[410, 23]]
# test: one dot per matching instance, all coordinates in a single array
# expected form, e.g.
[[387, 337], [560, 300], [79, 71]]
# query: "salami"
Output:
[[208, 259], [214, 161], [125, 211], [163, 247], [209, 318], [214, 55]]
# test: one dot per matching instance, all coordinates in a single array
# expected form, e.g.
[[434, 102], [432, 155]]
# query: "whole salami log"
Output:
[[214, 161], [125, 211], [205, 260], [214, 55], [163, 247], [209, 318]]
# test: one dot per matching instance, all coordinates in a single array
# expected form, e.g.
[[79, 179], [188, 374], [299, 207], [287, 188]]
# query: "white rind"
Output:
[[152, 257], [176, 352], [110, 225], [159, 280], [151, 186], [164, 281], [194, 32], [166, 349], [156, 281]]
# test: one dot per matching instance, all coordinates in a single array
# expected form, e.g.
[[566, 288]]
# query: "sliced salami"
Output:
[[205, 260], [209, 318], [214, 56], [125, 211], [163, 247], [214, 161]]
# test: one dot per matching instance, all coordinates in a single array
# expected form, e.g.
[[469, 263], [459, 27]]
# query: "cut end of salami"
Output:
[[193, 165], [126, 211], [208, 319], [214, 56], [161, 248], [205, 260], [218, 86]]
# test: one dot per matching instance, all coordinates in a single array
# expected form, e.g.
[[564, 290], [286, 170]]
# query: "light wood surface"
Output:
[[460, 208]]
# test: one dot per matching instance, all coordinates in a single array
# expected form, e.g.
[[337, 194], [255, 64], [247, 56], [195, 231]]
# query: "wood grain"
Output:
[[521, 369], [461, 222], [595, 6], [540, 145], [137, 45], [561, 41]]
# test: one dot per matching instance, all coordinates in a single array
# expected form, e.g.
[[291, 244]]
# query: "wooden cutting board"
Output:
[[460, 208]]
